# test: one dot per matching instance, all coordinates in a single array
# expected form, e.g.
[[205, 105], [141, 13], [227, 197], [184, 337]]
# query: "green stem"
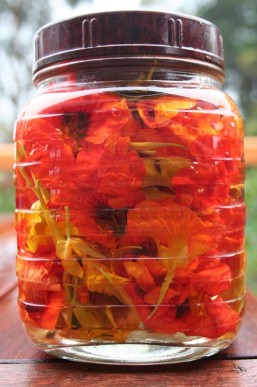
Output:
[[165, 286], [110, 316], [120, 293], [56, 235], [66, 288], [67, 222], [146, 146], [74, 295], [25, 177], [39, 192]]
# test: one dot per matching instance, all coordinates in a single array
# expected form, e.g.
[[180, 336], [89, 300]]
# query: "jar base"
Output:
[[140, 348], [132, 354]]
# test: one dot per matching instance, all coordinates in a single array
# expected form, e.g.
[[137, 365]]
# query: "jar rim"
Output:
[[128, 33]]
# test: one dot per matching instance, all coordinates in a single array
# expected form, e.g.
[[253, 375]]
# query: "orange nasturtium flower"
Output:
[[160, 111], [178, 233], [41, 147], [91, 118], [117, 175]]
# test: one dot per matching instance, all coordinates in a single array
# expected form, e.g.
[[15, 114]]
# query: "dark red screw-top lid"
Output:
[[129, 34]]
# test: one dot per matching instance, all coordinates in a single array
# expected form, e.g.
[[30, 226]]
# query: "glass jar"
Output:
[[129, 189]]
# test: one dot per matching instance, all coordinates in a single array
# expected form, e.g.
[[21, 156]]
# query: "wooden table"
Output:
[[21, 364]]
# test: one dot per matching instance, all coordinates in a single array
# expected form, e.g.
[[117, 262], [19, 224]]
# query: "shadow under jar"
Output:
[[129, 180]]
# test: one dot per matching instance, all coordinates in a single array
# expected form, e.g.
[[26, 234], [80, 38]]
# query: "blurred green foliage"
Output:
[[251, 227], [237, 20], [19, 19], [6, 192]]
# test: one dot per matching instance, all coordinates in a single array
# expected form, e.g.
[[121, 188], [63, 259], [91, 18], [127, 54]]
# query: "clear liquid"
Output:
[[130, 224]]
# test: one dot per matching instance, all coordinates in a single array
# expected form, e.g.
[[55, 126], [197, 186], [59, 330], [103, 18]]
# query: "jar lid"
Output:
[[129, 34]]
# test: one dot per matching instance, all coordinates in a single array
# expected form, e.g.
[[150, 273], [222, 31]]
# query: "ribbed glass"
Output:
[[130, 218]]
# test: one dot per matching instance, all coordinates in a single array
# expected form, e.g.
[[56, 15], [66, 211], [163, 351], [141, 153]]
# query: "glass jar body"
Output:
[[130, 216]]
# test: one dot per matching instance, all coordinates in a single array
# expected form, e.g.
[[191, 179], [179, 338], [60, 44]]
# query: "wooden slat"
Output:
[[251, 150], [200, 373], [7, 153], [6, 157]]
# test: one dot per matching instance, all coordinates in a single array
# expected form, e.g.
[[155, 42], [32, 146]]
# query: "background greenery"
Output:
[[237, 19]]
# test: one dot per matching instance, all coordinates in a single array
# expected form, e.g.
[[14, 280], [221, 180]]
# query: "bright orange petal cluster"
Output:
[[130, 215]]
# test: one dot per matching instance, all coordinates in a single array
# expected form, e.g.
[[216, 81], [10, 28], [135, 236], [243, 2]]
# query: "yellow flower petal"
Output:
[[100, 279]]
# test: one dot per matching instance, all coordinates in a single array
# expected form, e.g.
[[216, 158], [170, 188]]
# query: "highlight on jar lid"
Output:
[[131, 34]]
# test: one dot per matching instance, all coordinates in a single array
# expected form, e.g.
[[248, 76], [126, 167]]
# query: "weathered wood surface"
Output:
[[201, 373]]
